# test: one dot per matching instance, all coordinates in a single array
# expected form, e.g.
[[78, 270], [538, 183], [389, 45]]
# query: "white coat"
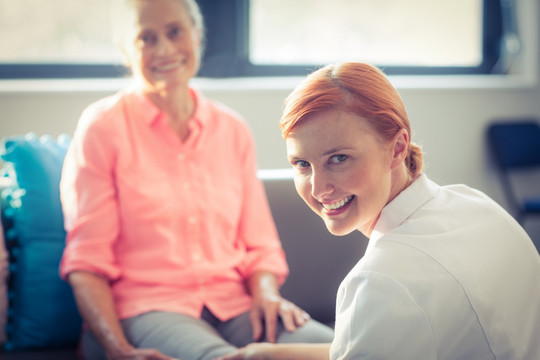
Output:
[[448, 274]]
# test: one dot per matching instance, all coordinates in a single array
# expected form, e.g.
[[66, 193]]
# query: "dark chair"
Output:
[[515, 146]]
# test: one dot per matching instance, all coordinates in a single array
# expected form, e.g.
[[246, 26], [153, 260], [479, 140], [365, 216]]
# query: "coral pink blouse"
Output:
[[173, 225]]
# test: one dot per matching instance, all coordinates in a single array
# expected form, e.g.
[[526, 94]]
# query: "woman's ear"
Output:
[[401, 148]]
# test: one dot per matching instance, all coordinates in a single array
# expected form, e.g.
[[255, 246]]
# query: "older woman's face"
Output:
[[163, 45], [342, 170]]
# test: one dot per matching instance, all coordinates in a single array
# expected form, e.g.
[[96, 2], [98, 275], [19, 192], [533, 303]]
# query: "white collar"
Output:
[[397, 211]]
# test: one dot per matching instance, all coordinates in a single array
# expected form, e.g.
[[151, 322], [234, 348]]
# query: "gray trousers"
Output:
[[187, 338]]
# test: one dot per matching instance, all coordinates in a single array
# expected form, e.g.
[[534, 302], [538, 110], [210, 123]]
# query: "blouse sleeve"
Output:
[[257, 229], [377, 318], [88, 196]]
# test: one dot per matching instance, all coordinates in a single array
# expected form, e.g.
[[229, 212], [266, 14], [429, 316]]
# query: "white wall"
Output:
[[449, 114]]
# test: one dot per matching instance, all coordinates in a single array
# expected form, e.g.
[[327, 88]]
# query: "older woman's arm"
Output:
[[95, 302]]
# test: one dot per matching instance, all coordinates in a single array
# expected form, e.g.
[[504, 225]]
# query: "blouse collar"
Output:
[[149, 113], [397, 211]]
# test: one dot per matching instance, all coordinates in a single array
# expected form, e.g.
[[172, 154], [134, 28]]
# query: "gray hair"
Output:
[[119, 7], [195, 14]]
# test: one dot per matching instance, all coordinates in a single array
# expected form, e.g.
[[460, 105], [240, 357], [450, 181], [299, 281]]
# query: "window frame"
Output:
[[226, 51]]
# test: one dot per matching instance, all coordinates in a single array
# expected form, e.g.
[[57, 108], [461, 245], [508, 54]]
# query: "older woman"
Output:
[[171, 249], [448, 274]]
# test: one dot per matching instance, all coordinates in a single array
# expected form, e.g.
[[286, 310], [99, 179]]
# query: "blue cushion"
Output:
[[42, 312]]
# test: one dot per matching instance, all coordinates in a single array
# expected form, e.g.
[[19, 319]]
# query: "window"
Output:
[[281, 37], [388, 32], [60, 38], [66, 38]]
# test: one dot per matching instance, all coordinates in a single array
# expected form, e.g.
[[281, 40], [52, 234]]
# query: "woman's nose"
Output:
[[321, 184], [164, 46]]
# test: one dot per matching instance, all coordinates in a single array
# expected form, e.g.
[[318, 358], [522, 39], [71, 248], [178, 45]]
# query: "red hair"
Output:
[[358, 88]]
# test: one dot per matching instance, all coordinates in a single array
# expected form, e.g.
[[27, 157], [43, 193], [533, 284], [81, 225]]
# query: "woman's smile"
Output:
[[167, 67], [337, 207]]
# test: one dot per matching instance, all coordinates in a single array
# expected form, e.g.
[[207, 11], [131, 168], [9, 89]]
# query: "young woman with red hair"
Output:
[[447, 274]]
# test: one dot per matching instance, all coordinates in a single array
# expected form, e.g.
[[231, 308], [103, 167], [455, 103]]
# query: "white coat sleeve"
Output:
[[377, 318]]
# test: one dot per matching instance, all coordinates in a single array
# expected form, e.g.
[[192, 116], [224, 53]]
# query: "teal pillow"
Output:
[[41, 311]]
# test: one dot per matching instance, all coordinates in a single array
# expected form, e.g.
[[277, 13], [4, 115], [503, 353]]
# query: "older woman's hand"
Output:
[[266, 310]]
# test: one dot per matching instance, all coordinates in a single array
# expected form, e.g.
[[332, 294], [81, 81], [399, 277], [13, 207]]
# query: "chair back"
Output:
[[515, 144]]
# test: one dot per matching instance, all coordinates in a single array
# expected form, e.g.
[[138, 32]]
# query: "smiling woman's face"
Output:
[[342, 169], [162, 46]]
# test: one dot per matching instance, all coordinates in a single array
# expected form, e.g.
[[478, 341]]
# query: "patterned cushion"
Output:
[[41, 311]]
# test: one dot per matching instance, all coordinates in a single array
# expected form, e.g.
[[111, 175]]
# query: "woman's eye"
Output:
[[301, 164], [336, 159], [175, 33], [146, 40]]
